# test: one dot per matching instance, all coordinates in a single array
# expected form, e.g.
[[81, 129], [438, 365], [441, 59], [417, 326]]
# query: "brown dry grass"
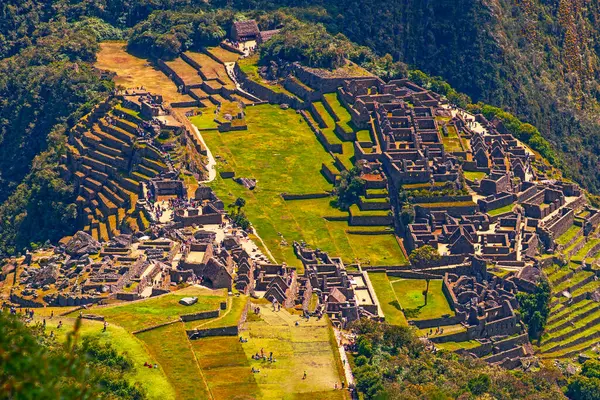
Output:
[[134, 72], [210, 68], [185, 71]]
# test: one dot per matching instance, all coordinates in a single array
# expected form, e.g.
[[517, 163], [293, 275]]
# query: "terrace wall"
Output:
[[264, 93]]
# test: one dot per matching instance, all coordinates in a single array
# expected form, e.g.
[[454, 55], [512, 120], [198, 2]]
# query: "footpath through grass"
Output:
[[283, 154]]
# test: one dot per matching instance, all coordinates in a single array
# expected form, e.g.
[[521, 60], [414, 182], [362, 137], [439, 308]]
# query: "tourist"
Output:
[[105, 325], [335, 386], [44, 323], [304, 376]]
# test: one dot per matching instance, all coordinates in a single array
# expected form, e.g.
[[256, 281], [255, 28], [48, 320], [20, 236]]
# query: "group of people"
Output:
[[438, 331], [149, 365]]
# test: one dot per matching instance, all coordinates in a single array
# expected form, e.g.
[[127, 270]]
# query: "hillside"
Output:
[[535, 58]]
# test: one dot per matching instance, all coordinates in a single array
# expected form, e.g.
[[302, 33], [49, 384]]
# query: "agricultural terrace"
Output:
[[283, 154], [135, 72]]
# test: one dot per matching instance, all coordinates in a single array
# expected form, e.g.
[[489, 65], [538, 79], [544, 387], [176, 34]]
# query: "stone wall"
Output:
[[201, 333], [264, 93], [304, 196], [307, 94], [200, 315], [421, 212]]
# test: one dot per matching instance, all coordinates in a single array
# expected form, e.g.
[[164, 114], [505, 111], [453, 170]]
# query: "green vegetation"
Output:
[[587, 384], [225, 367], [158, 310], [501, 210], [349, 188], [305, 347], [34, 365], [166, 34], [45, 89], [285, 162], [535, 308], [392, 310], [411, 295], [424, 256], [568, 235], [154, 381], [171, 349], [472, 175], [391, 362]]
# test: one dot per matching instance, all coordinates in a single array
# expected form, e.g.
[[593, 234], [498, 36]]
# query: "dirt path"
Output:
[[344, 357]]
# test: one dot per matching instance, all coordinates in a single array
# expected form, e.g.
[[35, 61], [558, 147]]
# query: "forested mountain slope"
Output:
[[537, 58]]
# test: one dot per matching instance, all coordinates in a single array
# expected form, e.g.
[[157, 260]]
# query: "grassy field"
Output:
[[305, 347], [410, 295], [171, 349], [157, 310], [387, 299], [226, 368], [135, 72], [154, 381], [282, 153]]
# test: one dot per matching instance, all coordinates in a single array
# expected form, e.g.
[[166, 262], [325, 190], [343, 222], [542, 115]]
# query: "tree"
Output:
[[424, 256], [426, 291], [239, 203], [535, 307], [584, 388], [349, 188], [479, 385]]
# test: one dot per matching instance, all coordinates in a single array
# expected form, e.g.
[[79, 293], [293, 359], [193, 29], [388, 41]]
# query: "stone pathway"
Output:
[[344, 357]]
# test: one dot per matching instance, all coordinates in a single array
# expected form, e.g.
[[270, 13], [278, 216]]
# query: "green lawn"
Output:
[[229, 317], [154, 381], [283, 154], [453, 346], [501, 210], [226, 368], [568, 235], [305, 347], [206, 120], [157, 310], [171, 349], [472, 175], [451, 142], [387, 299], [339, 110], [409, 293]]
